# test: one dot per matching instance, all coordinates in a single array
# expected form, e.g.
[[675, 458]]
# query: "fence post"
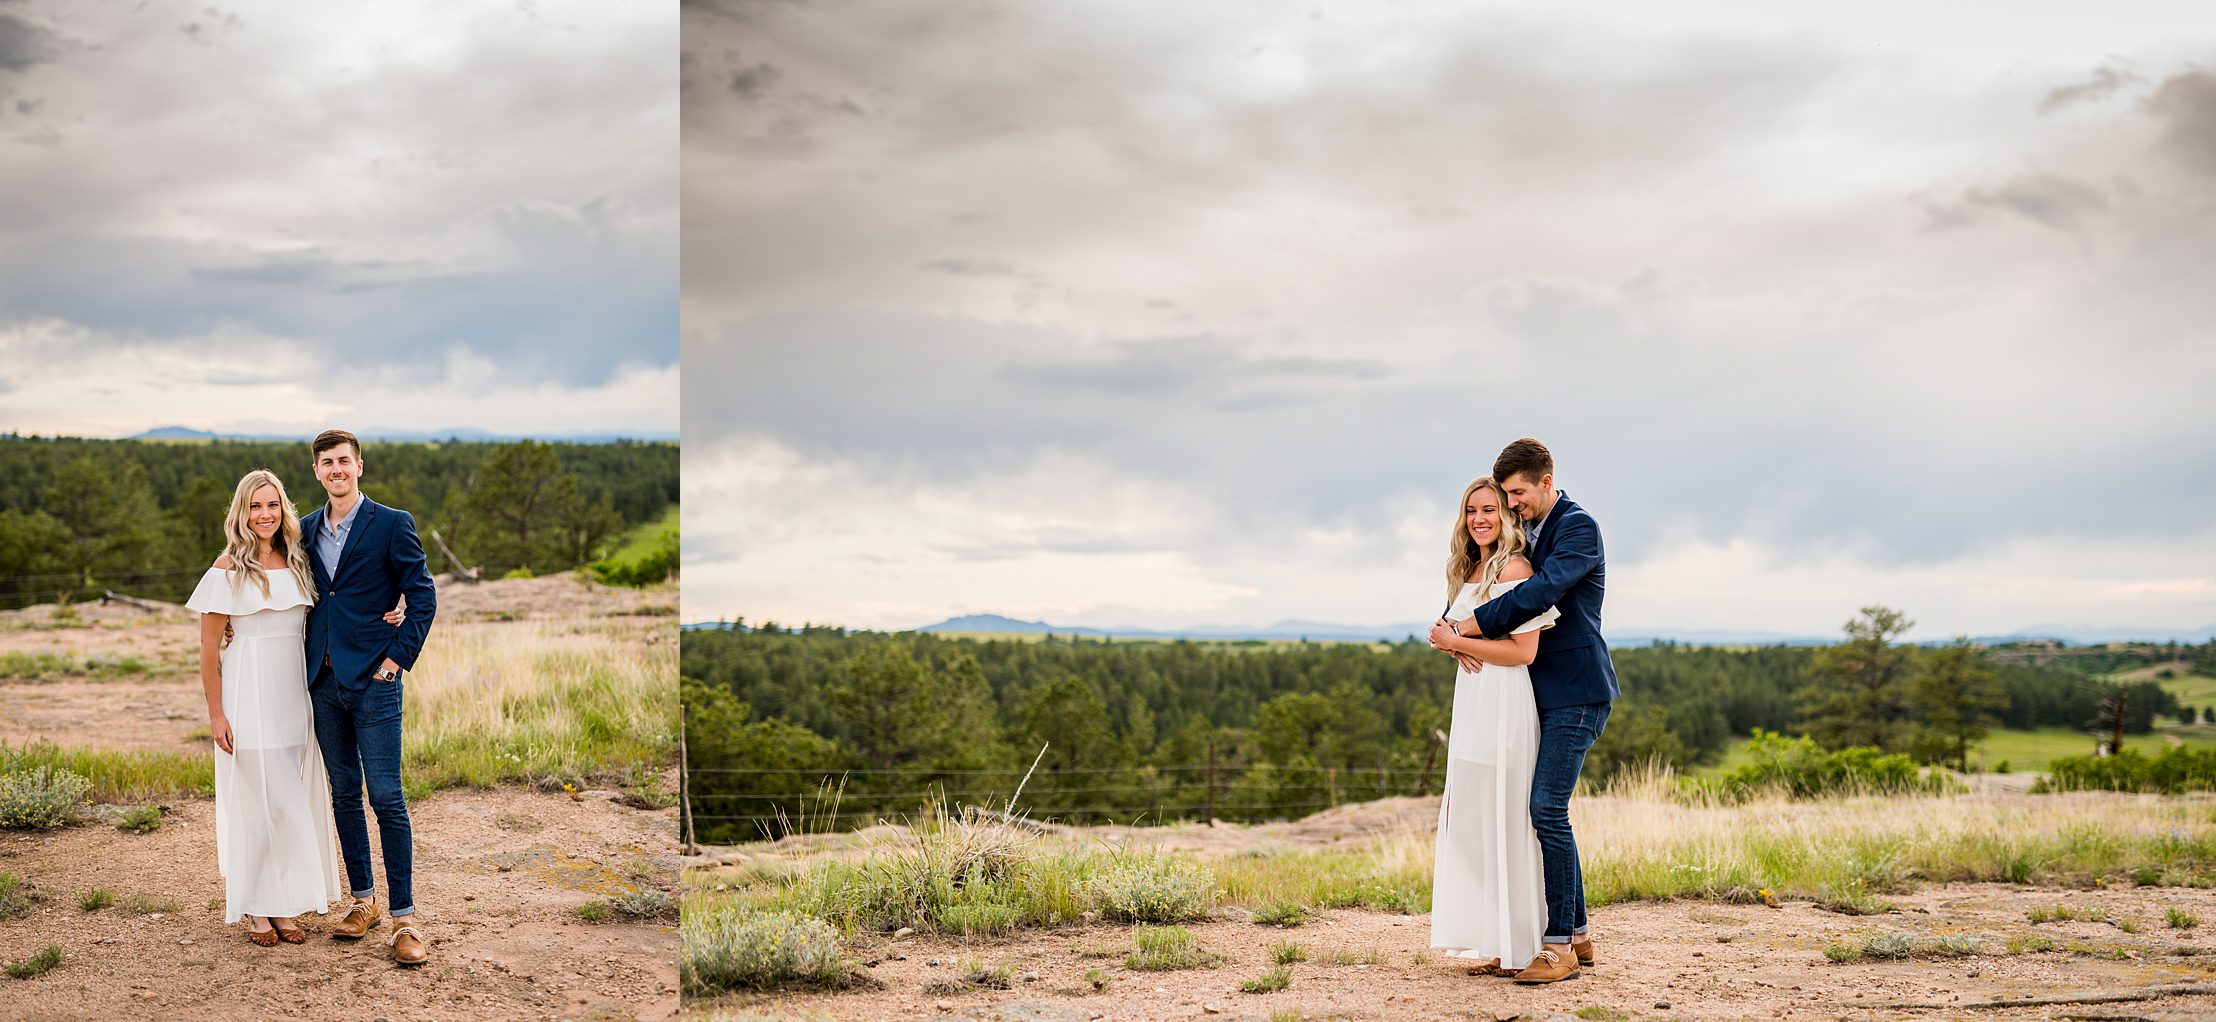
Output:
[[684, 780], [1211, 784]]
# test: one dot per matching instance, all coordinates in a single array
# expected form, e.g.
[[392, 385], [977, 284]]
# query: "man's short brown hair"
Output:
[[1526, 456], [330, 438]]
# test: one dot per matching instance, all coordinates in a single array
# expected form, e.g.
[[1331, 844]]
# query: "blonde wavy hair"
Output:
[[244, 548], [1463, 553]]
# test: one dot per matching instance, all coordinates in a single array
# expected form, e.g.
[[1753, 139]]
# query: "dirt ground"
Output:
[[1676, 960], [499, 874]]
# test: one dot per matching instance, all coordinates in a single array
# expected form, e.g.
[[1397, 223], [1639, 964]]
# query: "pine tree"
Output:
[[1858, 694], [1959, 701]]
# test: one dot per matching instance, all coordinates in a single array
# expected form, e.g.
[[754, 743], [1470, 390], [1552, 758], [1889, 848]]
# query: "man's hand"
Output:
[[1442, 634], [395, 616], [388, 665]]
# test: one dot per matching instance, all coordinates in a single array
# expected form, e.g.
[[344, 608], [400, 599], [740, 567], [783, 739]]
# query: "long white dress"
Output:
[[1488, 896], [273, 837]]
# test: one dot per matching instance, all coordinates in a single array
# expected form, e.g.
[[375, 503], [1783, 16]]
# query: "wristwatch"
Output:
[[387, 674]]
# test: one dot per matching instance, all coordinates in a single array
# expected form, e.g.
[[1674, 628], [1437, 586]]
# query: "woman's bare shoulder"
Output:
[[223, 561], [1515, 570]]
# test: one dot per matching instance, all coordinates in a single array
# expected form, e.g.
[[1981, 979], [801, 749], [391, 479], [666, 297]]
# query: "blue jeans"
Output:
[[360, 734], [1565, 733]]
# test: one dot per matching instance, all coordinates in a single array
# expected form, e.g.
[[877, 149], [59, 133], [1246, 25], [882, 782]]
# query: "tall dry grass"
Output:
[[540, 703]]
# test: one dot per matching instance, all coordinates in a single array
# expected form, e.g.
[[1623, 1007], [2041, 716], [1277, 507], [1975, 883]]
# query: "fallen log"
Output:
[[108, 596]]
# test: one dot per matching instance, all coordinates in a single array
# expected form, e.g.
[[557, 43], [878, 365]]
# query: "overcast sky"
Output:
[[271, 217], [1204, 314]]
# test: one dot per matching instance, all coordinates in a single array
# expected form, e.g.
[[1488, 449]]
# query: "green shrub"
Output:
[[728, 947], [40, 798], [47, 958], [2180, 920], [2178, 769], [1801, 769], [1286, 953], [597, 911], [1283, 914], [645, 903], [1151, 889], [636, 570], [96, 899], [140, 820]]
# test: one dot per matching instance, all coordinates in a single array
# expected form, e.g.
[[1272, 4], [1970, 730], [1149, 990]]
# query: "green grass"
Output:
[[1269, 982], [1099, 980], [94, 900], [643, 556], [2179, 919], [48, 666], [1282, 914], [120, 776], [45, 960], [539, 704], [1286, 953], [2065, 913], [1168, 948], [17, 895]]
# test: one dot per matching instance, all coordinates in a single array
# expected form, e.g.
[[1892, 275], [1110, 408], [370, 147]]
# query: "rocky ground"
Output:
[[1657, 961], [500, 875]]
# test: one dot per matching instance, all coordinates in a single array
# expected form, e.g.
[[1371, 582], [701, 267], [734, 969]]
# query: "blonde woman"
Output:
[[274, 843], [1488, 894]]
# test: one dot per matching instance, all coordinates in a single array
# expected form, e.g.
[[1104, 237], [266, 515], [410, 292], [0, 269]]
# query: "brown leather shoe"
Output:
[[362, 918], [1548, 967], [1583, 947], [408, 946]]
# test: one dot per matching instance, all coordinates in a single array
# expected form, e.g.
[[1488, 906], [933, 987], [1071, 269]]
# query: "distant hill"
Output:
[[401, 436], [1323, 631]]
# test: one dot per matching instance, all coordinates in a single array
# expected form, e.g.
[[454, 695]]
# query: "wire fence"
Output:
[[1177, 794]]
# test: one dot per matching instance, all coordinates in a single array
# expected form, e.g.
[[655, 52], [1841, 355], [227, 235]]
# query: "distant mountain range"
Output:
[[989, 624], [402, 436]]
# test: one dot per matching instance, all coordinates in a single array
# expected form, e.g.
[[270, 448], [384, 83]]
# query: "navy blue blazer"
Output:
[[382, 558], [1570, 575]]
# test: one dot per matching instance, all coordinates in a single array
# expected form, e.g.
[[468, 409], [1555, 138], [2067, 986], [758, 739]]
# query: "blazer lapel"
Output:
[[1549, 528], [311, 528]]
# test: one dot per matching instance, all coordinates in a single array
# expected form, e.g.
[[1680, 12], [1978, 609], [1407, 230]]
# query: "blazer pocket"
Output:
[[1570, 644]]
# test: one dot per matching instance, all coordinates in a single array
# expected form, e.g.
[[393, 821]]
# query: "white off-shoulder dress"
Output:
[[1488, 896], [273, 837]]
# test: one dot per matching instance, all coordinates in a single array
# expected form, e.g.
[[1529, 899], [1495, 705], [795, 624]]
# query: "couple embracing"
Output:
[[308, 689], [1525, 578]]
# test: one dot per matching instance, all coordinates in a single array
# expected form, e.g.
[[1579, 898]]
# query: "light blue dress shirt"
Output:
[[331, 538]]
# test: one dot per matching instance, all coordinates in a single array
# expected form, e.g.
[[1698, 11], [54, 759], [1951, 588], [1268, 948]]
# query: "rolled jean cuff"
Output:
[[399, 912], [366, 892], [1551, 939]]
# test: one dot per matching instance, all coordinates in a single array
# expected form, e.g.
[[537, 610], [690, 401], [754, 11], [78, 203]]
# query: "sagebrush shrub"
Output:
[[728, 947], [40, 798], [1151, 889]]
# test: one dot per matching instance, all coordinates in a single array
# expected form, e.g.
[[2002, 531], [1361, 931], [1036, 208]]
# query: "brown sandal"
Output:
[[262, 938], [289, 934], [1491, 968]]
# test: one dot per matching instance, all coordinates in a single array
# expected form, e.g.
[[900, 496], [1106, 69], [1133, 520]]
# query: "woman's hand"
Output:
[[1469, 663], [1443, 636], [395, 616], [219, 728]]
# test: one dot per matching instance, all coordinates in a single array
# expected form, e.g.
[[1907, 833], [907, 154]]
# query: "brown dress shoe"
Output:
[[363, 917], [1548, 967], [1584, 951], [408, 947]]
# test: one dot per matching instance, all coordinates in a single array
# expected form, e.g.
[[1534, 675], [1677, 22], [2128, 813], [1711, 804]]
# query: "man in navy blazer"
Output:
[[365, 556], [1572, 680]]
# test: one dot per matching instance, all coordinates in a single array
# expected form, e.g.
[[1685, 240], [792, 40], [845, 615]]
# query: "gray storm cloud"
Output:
[[174, 172], [1749, 287]]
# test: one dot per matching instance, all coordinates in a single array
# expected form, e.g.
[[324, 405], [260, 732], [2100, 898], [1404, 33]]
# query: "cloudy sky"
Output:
[[269, 217], [1205, 314]]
